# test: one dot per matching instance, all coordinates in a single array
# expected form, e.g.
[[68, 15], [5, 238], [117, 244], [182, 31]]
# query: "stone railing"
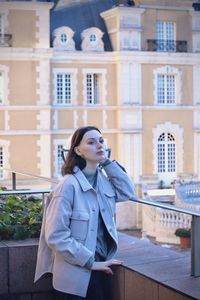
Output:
[[161, 224]]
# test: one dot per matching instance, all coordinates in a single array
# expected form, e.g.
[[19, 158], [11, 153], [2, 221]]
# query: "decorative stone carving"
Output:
[[63, 38], [92, 39]]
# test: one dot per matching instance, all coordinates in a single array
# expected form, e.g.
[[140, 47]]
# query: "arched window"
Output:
[[166, 154]]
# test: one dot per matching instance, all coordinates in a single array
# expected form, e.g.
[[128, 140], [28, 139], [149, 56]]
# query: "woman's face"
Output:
[[92, 147]]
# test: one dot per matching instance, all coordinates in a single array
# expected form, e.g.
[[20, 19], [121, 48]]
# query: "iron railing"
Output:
[[166, 46], [195, 227], [5, 40]]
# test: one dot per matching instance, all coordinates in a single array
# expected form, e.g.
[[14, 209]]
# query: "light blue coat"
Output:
[[70, 223]]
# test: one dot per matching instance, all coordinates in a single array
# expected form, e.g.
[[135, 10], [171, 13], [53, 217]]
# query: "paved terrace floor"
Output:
[[169, 267]]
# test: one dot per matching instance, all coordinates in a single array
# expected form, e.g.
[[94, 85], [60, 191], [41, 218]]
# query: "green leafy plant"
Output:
[[20, 217], [183, 232]]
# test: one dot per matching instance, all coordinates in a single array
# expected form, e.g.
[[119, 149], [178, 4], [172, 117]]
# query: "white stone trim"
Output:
[[6, 157], [75, 119], [129, 83], [197, 119], [74, 83], [5, 70], [4, 13], [55, 119], [168, 70], [105, 119], [44, 155], [85, 117], [103, 85], [196, 155], [69, 44], [23, 5], [195, 31], [7, 120], [196, 84], [43, 79], [177, 132], [42, 28], [137, 157], [88, 45], [130, 119], [44, 120]]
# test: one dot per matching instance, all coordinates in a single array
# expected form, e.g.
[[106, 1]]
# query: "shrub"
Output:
[[20, 217], [183, 232]]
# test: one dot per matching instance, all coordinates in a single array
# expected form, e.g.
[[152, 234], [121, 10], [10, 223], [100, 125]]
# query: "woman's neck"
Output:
[[90, 169]]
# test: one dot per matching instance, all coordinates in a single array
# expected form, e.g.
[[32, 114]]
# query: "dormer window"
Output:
[[63, 39], [92, 40]]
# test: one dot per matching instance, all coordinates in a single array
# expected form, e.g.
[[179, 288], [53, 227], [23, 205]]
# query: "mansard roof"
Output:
[[80, 15]]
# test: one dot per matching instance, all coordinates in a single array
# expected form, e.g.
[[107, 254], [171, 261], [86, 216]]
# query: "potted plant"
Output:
[[185, 237]]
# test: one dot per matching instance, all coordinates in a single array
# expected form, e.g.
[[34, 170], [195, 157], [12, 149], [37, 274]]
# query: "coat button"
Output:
[[91, 229], [110, 229], [93, 209], [103, 210]]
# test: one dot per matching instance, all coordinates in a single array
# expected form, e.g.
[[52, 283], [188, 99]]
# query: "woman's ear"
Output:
[[77, 151]]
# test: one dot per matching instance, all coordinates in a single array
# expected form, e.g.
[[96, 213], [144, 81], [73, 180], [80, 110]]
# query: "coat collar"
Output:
[[85, 185]]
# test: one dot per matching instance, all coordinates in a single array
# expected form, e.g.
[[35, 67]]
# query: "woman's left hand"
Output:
[[104, 265]]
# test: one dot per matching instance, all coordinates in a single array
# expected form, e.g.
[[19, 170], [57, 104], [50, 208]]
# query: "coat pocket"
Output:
[[79, 225], [111, 200]]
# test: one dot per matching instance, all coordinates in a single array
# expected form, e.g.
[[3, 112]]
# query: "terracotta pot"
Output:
[[185, 242]]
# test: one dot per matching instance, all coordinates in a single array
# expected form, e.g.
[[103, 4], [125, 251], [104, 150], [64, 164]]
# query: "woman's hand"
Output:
[[104, 265]]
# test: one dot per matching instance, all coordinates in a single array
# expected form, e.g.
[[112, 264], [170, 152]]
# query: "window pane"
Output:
[[171, 157], [1, 88], [166, 90], [59, 159], [170, 85], [161, 158], [165, 35], [161, 89], [63, 91], [92, 88]]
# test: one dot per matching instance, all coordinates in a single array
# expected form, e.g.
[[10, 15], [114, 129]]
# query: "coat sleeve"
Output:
[[57, 228], [121, 182]]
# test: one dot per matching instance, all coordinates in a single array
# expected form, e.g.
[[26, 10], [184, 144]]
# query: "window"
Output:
[[167, 86], [93, 38], [92, 88], [63, 89], [59, 159], [1, 88], [166, 153], [65, 86], [165, 35], [1, 162], [63, 38], [166, 89]]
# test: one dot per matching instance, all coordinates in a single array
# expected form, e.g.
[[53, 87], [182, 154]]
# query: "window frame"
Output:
[[166, 36], [5, 146], [5, 84], [73, 86], [168, 71], [101, 88], [57, 165]]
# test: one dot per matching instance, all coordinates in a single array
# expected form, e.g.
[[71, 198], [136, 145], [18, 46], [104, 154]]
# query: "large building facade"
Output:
[[131, 70]]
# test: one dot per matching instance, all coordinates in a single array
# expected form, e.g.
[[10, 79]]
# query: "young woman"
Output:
[[78, 236]]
